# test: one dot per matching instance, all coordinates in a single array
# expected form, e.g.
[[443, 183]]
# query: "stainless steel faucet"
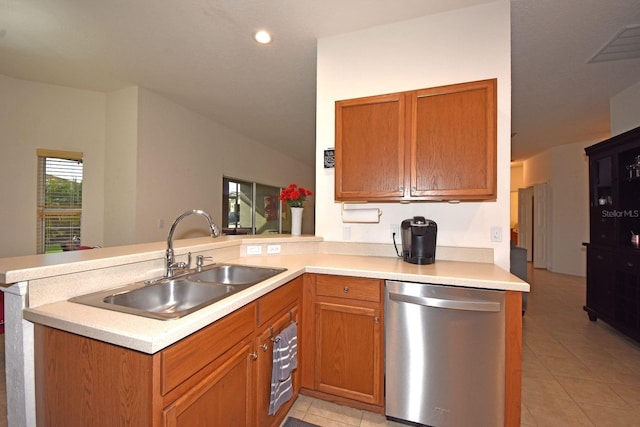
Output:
[[171, 261]]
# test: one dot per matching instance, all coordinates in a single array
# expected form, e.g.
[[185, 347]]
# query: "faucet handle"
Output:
[[183, 265]]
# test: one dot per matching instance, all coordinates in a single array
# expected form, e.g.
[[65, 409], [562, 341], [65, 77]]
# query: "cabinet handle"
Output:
[[376, 320], [401, 188], [254, 355], [345, 289], [264, 346], [629, 264]]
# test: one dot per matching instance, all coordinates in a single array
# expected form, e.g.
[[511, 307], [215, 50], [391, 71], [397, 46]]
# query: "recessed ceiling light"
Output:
[[262, 37]]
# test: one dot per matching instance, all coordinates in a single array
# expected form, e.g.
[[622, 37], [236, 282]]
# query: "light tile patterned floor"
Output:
[[575, 372]]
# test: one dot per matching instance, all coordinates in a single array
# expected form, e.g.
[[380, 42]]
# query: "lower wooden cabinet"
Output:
[[346, 359], [218, 376], [348, 344], [265, 364], [221, 375], [224, 398], [84, 382]]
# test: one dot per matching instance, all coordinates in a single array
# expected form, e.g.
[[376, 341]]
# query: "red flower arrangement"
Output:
[[294, 195]]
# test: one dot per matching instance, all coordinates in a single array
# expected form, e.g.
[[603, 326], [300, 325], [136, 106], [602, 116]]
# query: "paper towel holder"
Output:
[[360, 214]]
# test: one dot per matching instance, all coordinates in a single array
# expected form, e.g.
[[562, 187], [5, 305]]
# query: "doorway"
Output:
[[534, 207]]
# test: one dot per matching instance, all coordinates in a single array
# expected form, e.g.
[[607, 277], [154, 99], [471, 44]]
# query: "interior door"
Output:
[[541, 225], [525, 220]]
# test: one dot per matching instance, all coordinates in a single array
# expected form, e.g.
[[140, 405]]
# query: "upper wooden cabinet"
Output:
[[429, 144], [370, 147]]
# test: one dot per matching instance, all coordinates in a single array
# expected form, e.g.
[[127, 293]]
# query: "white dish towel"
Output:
[[285, 360]]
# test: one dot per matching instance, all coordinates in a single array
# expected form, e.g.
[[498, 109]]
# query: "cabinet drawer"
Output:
[[273, 302], [603, 229], [357, 288], [183, 359], [628, 264]]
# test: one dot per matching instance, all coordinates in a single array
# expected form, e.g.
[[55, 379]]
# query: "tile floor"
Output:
[[575, 372]]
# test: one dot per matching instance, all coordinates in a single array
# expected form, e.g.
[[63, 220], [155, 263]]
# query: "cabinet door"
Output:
[[627, 293], [187, 358], [370, 141], [603, 200], [348, 359], [265, 364], [224, 398], [600, 282], [453, 142]]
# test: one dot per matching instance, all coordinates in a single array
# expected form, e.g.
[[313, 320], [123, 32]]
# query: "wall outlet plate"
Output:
[[273, 249], [346, 232], [496, 234], [254, 250]]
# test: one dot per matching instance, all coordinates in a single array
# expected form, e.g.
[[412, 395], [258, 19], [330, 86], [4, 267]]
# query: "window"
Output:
[[59, 200], [250, 208]]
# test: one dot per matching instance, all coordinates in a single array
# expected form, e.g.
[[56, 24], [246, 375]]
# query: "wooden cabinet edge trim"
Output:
[[513, 358]]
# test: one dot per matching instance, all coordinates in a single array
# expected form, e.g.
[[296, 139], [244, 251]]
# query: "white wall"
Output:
[[459, 46], [517, 176], [625, 110], [34, 115], [182, 158], [565, 169], [537, 169], [121, 157], [145, 158], [570, 209]]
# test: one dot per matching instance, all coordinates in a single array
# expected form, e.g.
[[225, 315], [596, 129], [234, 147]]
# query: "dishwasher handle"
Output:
[[473, 305]]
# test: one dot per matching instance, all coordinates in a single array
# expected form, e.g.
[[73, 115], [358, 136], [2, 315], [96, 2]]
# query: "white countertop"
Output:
[[150, 335]]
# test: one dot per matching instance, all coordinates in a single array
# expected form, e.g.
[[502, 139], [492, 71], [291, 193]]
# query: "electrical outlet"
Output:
[[254, 250], [273, 249], [346, 233], [496, 234], [394, 228]]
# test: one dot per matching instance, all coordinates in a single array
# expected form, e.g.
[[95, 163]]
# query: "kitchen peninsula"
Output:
[[47, 282]]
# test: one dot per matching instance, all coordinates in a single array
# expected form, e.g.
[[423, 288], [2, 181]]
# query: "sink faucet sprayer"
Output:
[[171, 261]]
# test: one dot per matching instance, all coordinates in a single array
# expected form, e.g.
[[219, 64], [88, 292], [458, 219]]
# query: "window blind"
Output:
[[59, 200]]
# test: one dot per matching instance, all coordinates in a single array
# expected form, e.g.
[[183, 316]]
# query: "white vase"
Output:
[[296, 221]]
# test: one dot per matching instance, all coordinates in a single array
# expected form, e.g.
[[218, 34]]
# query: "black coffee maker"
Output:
[[419, 240]]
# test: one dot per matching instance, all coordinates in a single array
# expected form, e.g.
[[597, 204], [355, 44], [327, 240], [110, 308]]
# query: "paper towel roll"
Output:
[[361, 215]]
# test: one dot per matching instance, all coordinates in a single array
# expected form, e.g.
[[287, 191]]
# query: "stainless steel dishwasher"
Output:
[[444, 355]]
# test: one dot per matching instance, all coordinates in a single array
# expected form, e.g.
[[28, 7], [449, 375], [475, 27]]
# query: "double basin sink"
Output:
[[175, 297]]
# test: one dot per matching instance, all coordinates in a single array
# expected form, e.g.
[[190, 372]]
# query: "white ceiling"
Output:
[[200, 54]]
